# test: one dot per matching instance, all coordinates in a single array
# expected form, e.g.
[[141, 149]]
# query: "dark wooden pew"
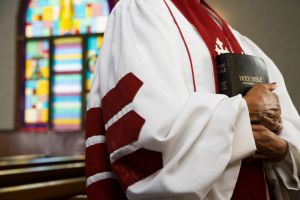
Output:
[[38, 161], [42, 177], [38, 174], [51, 190], [22, 157]]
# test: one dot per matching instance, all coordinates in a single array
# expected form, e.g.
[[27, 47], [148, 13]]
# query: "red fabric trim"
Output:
[[125, 131], [208, 29], [186, 47], [137, 166], [107, 189], [94, 122], [251, 183], [96, 160], [120, 96]]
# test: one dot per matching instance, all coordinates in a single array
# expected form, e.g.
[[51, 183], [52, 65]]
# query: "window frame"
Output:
[[21, 42]]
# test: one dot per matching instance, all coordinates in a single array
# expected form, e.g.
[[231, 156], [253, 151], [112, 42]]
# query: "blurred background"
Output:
[[47, 56]]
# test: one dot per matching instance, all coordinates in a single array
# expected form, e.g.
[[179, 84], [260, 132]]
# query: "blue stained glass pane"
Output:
[[93, 48], [30, 84], [29, 15], [66, 98], [80, 10]]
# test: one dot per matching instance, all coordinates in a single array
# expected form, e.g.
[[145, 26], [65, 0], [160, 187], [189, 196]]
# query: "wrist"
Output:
[[283, 147]]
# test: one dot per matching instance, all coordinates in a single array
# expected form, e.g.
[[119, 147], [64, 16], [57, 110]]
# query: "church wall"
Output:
[[8, 14]]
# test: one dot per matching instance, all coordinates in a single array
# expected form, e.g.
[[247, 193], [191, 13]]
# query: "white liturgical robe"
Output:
[[164, 138]]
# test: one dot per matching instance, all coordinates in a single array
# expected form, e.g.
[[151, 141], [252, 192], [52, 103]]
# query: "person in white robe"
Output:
[[156, 127]]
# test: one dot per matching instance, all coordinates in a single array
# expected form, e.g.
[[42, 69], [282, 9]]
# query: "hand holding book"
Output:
[[265, 116], [264, 107], [248, 75]]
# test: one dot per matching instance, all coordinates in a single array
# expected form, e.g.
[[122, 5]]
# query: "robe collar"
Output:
[[218, 39]]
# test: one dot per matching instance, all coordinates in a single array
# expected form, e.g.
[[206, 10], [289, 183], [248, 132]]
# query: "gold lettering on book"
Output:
[[251, 79]]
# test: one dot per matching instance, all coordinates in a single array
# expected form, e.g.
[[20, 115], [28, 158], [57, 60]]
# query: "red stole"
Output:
[[251, 183]]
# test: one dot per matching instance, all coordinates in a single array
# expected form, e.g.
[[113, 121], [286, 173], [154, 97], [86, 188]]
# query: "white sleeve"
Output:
[[288, 169], [164, 140]]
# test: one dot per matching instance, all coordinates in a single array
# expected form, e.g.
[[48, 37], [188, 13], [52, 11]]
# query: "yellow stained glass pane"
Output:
[[42, 87], [67, 121], [48, 13], [35, 17], [99, 42], [77, 25], [66, 16], [89, 11], [44, 115], [45, 72], [67, 56], [88, 84], [29, 69]]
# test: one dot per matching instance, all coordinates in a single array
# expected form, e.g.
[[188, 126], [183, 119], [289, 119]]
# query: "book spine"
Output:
[[225, 84]]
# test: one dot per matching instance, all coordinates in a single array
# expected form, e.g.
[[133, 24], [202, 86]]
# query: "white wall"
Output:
[[8, 12]]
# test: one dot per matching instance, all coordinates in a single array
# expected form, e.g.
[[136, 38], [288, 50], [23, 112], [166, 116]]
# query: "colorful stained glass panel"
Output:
[[64, 17], [93, 48], [36, 84], [67, 84]]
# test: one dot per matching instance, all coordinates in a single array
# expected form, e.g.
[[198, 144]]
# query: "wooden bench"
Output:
[[41, 177], [22, 157], [56, 190], [37, 174], [38, 161]]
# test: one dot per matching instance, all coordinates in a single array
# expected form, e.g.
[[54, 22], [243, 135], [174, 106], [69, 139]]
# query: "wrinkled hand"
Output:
[[264, 106], [269, 146]]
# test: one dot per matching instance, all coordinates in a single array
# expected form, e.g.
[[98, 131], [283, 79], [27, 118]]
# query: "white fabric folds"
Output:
[[202, 136]]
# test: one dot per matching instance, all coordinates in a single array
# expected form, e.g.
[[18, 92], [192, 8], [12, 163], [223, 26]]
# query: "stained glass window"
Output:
[[37, 84], [67, 84], [93, 46], [63, 17], [62, 42]]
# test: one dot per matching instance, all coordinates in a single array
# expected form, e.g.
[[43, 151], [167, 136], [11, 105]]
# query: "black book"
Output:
[[237, 73]]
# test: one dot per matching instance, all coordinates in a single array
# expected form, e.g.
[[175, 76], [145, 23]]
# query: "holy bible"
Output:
[[237, 73]]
